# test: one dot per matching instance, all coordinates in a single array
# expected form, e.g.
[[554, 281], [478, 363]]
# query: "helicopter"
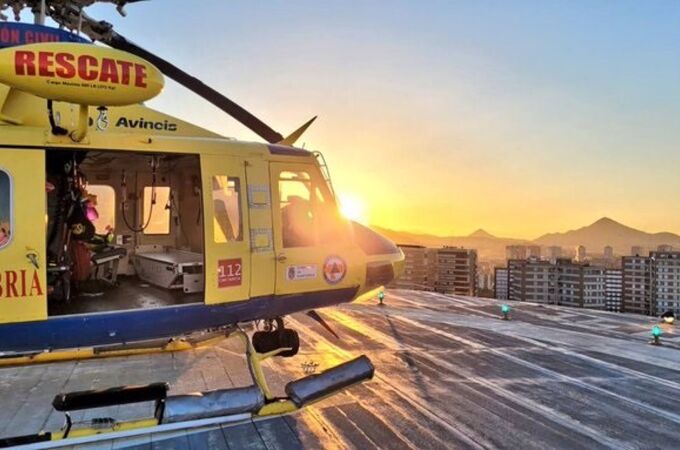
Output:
[[121, 224]]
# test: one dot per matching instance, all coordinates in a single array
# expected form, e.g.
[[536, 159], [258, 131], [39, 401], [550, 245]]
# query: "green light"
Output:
[[656, 331], [505, 309], [381, 295]]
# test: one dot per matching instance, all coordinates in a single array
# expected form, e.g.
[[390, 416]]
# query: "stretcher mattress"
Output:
[[170, 268]]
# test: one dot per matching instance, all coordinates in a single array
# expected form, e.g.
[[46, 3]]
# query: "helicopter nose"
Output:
[[385, 261]]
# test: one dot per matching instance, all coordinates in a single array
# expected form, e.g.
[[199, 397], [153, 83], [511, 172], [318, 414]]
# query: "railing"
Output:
[[325, 172]]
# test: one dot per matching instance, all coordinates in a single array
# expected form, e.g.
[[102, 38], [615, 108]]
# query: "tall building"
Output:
[[636, 250], [515, 252], [580, 253], [664, 248], [580, 285], [415, 275], [534, 251], [485, 279], [636, 285], [561, 282], [531, 281], [501, 283], [609, 252], [665, 281], [456, 271], [431, 267], [553, 253], [613, 289]]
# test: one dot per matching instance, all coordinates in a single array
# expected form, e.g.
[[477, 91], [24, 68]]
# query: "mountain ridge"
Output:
[[604, 231]]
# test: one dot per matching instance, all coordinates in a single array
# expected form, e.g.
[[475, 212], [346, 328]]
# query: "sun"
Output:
[[353, 208]]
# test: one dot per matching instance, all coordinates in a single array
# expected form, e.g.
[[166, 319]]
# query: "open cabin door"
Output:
[[227, 238], [313, 245], [23, 285]]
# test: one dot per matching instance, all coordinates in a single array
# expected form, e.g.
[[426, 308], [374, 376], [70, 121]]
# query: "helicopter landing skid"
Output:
[[190, 411], [178, 344]]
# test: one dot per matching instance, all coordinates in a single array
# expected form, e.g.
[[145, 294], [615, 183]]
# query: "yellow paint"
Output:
[[336, 243], [277, 408], [119, 426], [176, 345], [80, 73], [28, 299], [20, 108], [265, 261], [227, 258]]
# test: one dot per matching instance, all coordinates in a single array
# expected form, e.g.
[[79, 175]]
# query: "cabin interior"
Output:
[[124, 231]]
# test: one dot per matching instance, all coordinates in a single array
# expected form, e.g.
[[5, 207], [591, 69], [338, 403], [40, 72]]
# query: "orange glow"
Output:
[[353, 208]]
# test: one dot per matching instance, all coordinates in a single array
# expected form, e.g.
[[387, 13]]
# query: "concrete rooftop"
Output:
[[449, 374]]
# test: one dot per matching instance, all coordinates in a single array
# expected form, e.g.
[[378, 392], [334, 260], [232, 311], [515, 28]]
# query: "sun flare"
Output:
[[353, 208]]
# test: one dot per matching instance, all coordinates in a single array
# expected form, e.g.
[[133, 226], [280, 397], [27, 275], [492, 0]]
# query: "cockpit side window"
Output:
[[297, 216], [309, 215], [6, 211]]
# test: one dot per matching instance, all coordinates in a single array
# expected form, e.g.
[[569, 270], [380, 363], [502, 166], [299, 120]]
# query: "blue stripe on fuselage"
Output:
[[88, 330]]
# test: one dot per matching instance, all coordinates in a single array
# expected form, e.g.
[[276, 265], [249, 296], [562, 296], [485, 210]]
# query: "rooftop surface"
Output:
[[449, 374]]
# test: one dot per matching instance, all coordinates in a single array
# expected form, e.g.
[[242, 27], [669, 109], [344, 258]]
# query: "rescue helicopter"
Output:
[[120, 224]]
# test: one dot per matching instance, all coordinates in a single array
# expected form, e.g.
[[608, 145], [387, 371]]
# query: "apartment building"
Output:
[[613, 290], [581, 253], [501, 283], [532, 280], [665, 281], [553, 253], [416, 273], [534, 251], [580, 285], [456, 271], [516, 252], [561, 282], [636, 285]]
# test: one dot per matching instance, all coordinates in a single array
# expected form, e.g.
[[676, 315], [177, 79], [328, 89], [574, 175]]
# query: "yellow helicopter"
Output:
[[120, 224]]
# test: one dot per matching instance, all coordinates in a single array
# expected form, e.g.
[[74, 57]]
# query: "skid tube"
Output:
[[177, 344], [196, 409]]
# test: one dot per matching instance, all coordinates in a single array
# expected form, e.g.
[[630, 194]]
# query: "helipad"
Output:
[[449, 374]]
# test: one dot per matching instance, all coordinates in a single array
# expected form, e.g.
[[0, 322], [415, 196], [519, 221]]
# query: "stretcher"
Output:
[[169, 268]]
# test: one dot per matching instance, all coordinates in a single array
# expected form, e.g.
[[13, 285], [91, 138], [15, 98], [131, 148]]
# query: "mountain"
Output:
[[594, 237], [481, 234], [609, 232], [488, 246]]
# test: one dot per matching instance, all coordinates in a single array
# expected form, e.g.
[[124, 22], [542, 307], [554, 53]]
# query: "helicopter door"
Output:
[[313, 245], [23, 286], [227, 239]]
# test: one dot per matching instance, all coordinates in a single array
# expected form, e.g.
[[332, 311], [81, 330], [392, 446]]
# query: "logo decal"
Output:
[[229, 272], [301, 272], [334, 269], [103, 119]]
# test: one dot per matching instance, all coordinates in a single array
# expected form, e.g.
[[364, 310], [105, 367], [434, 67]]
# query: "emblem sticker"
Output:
[[295, 273], [229, 272], [103, 119], [334, 269]]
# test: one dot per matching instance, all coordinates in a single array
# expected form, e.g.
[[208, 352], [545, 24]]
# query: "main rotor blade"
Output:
[[195, 85]]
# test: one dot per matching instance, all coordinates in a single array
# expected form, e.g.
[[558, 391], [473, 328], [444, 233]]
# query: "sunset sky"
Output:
[[517, 117]]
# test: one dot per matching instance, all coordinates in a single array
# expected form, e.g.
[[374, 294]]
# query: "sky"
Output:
[[520, 117]]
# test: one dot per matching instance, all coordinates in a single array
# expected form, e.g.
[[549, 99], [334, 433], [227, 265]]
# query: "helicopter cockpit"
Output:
[[125, 230]]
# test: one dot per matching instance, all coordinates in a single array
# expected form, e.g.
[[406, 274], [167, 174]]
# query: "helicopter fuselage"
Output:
[[261, 264]]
